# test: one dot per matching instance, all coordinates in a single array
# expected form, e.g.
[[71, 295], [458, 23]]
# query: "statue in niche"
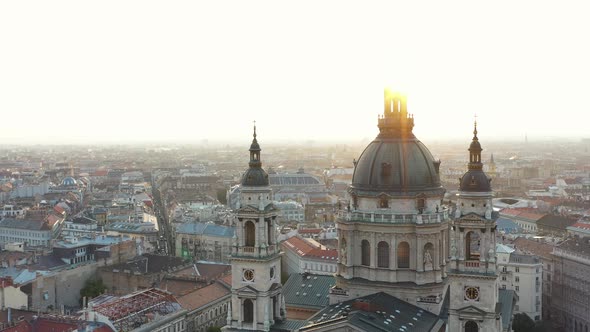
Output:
[[343, 255], [453, 251], [427, 260]]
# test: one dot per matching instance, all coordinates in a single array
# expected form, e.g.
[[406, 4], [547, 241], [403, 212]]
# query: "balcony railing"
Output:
[[394, 218], [247, 249], [255, 251], [474, 264]]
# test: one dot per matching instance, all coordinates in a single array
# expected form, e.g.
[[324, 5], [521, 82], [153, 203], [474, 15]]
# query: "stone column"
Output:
[[255, 315], [373, 251], [419, 259], [240, 312]]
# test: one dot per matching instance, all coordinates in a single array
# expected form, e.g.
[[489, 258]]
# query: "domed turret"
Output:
[[475, 180], [396, 162], [255, 176], [69, 182]]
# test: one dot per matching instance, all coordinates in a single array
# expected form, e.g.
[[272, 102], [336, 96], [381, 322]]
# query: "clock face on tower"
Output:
[[472, 293], [248, 275]]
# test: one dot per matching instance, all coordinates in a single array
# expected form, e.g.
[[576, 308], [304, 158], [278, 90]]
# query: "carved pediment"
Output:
[[248, 209], [471, 311], [473, 217], [247, 291]]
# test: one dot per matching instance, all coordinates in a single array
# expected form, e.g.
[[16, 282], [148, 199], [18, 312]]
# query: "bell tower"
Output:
[[472, 269], [257, 300]]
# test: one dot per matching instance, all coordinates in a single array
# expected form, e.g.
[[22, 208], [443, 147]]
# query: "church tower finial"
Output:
[[475, 150]]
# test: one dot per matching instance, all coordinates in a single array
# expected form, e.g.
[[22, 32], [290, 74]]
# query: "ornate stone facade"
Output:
[[257, 300], [473, 278]]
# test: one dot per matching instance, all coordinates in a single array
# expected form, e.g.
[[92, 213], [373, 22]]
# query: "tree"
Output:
[[522, 323], [92, 288]]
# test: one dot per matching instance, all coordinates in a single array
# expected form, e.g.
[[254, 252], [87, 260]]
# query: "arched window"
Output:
[[382, 254], [472, 242], [365, 253], [471, 326], [403, 255], [248, 311], [250, 230]]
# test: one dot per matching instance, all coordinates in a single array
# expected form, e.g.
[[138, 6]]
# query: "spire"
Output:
[[395, 121], [255, 151], [255, 175], [475, 150]]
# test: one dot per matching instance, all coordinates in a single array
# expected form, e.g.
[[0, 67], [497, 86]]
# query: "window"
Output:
[[403, 255], [516, 279], [516, 288], [471, 326], [517, 269], [250, 230], [248, 311], [383, 254], [472, 242], [365, 253], [503, 278]]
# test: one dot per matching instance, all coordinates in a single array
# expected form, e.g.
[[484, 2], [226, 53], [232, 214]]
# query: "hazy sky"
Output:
[[112, 71]]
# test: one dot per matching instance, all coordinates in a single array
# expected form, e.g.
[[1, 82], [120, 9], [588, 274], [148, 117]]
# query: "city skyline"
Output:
[[138, 72]]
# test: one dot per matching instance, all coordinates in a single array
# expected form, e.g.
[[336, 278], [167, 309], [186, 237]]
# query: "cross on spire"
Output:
[[254, 128]]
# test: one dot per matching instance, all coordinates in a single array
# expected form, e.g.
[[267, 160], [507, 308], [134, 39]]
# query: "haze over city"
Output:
[[136, 71]]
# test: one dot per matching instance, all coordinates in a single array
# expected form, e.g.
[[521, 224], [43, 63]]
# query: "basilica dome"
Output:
[[396, 162]]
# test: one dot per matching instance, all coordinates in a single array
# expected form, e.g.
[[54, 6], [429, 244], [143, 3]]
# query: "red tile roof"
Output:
[[582, 225], [297, 245], [203, 296], [525, 213], [100, 172], [533, 247], [22, 326], [303, 248], [330, 254]]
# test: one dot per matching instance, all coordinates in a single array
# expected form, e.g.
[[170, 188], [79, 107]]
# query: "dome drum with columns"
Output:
[[394, 234]]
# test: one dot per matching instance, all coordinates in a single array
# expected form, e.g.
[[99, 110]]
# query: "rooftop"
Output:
[[379, 311], [204, 296], [126, 311], [150, 263], [524, 259], [31, 225], [208, 228], [308, 290], [507, 299], [533, 247]]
